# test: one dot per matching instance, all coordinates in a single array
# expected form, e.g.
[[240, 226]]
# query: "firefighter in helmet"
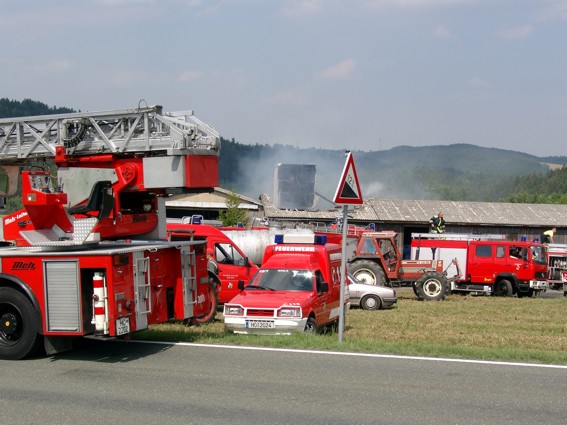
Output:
[[437, 224]]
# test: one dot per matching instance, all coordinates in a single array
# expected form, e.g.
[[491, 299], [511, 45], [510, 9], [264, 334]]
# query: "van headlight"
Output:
[[289, 312], [233, 310]]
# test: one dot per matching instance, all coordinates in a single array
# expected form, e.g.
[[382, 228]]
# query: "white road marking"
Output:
[[349, 354]]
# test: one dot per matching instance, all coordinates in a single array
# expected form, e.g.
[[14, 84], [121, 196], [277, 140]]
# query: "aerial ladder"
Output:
[[112, 168], [89, 254]]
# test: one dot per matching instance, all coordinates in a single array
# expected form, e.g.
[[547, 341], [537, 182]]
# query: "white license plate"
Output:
[[122, 326], [260, 324]]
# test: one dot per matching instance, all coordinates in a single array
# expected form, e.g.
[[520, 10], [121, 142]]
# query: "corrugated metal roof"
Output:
[[455, 212], [212, 200]]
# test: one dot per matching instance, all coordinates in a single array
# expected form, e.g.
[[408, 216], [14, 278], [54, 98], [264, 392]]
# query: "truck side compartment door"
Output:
[[481, 259]]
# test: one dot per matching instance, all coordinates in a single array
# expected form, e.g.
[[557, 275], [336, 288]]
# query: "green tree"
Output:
[[233, 214]]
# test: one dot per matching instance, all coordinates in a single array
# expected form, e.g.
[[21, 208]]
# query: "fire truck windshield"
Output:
[[282, 280], [538, 254]]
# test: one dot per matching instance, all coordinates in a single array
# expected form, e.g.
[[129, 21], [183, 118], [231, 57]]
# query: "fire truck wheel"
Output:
[[18, 327], [432, 286], [209, 316], [371, 302], [311, 326], [368, 272], [503, 288]]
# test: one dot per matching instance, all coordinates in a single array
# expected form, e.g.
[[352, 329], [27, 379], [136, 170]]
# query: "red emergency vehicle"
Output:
[[297, 289], [489, 264], [88, 253], [557, 264], [233, 265]]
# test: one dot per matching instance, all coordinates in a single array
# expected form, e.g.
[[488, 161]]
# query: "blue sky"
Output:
[[356, 74]]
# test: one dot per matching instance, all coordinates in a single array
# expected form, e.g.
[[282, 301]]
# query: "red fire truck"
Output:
[[88, 253], [490, 264], [557, 264], [297, 289]]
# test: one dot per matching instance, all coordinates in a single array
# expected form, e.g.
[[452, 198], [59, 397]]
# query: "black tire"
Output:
[[368, 272], [209, 316], [432, 286], [503, 288], [371, 302], [311, 326], [19, 337]]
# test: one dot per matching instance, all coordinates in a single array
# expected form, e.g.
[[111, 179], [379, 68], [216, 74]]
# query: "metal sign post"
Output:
[[348, 193]]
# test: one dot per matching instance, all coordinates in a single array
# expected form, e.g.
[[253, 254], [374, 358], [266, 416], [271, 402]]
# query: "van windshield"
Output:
[[282, 280]]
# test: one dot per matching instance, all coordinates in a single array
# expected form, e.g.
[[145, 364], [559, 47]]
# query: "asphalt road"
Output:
[[134, 383]]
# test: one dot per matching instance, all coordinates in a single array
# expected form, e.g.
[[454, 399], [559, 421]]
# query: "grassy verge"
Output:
[[488, 328]]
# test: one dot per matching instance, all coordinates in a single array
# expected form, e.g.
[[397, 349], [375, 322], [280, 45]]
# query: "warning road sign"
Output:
[[348, 191]]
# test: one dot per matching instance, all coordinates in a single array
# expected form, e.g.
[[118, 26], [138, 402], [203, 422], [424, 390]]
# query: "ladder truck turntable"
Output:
[[89, 253]]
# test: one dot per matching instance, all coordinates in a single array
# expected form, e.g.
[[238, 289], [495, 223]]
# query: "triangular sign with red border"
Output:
[[348, 191]]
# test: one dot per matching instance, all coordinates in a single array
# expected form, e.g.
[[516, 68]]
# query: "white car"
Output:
[[370, 297]]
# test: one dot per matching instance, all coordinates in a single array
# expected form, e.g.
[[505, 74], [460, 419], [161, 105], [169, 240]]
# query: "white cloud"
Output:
[[518, 33], [478, 82], [340, 71], [441, 32], [413, 3], [235, 78], [190, 75], [57, 66], [556, 11], [300, 8]]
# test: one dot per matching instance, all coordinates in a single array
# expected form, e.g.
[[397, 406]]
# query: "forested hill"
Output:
[[454, 172]]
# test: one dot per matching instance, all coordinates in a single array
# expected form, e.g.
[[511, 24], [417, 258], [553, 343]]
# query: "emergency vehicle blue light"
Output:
[[278, 239], [372, 226], [239, 224], [320, 239], [196, 219]]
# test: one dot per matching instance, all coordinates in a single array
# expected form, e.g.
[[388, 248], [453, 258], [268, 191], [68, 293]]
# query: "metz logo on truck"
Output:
[[23, 265]]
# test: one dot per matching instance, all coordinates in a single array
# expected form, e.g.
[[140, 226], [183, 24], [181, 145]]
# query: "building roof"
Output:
[[420, 211], [210, 200]]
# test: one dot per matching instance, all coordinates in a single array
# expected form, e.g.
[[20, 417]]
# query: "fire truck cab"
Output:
[[297, 289], [490, 264]]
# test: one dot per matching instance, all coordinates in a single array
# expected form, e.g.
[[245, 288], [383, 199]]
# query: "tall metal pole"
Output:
[[343, 274]]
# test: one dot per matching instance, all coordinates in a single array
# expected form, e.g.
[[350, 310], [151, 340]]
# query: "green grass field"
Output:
[[488, 328]]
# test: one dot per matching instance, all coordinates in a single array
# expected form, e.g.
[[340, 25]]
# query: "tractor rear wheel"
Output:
[[432, 286], [368, 272]]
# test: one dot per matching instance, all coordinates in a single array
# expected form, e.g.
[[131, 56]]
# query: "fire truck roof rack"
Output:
[[459, 236], [126, 131]]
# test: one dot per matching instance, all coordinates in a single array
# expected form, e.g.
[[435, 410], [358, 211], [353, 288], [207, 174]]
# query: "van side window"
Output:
[[483, 251], [319, 279], [227, 254]]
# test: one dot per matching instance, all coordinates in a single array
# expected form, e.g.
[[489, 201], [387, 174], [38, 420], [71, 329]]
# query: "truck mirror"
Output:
[[324, 287], [241, 285]]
